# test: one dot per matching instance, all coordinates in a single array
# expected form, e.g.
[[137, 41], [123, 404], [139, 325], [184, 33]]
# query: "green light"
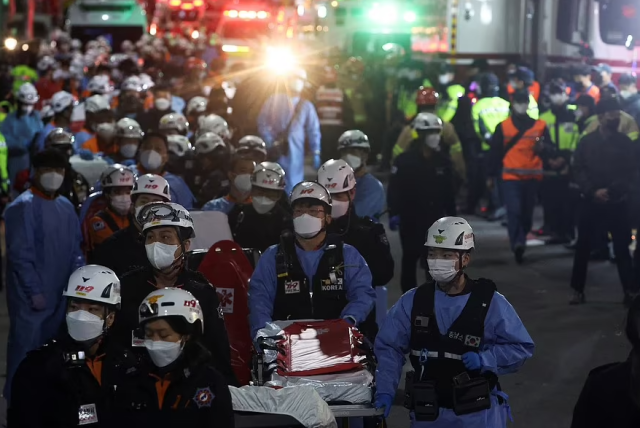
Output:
[[383, 13], [409, 16]]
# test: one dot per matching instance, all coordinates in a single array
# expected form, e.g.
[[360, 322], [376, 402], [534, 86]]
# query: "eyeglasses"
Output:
[[314, 212]]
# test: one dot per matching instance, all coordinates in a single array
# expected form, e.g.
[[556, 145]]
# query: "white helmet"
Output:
[[27, 94], [451, 233], [310, 190], [99, 84], [152, 184], [213, 123], [131, 83], [45, 63], [47, 111], [179, 145], [147, 81], [96, 103], [336, 176], [197, 105], [76, 44], [95, 283], [175, 121], [426, 122], [268, 176], [61, 101], [157, 214], [126, 46], [171, 302], [208, 142], [117, 175], [353, 139], [251, 142], [128, 128]]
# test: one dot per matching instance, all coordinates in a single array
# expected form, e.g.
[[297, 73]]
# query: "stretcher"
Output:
[[271, 420]]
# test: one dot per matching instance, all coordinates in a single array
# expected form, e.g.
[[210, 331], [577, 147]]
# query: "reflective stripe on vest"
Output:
[[521, 162], [329, 102], [568, 131]]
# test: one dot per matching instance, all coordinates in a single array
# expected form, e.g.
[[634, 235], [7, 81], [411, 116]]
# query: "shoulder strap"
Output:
[[294, 116], [423, 320], [283, 257], [104, 216], [515, 140]]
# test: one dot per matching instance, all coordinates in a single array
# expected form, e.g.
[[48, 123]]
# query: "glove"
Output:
[[394, 222], [85, 154], [38, 303], [383, 401], [317, 162], [471, 361]]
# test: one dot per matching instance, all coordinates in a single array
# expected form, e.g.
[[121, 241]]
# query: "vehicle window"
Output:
[[619, 21]]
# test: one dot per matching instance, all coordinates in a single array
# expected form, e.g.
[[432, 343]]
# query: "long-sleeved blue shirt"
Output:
[[370, 200]]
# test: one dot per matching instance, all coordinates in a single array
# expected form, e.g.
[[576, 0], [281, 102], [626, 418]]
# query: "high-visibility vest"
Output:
[[487, 114], [449, 106], [532, 109], [565, 135], [329, 104], [521, 161]]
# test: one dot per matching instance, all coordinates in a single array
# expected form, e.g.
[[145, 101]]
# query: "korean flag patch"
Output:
[[472, 341]]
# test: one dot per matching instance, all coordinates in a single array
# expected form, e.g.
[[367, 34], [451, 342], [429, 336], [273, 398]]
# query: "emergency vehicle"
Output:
[[184, 16]]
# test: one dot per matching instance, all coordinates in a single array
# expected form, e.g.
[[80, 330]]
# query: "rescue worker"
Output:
[[210, 179], [629, 96], [80, 370], [448, 103], [129, 102], [128, 138], [180, 155], [628, 125], [196, 108], [410, 201], [216, 124], [253, 148], [180, 385], [239, 175], [606, 73], [557, 197], [285, 122], [74, 186], [192, 85], [43, 248], [585, 112], [173, 124], [124, 251], [523, 80], [19, 128], [258, 225], [605, 167], [46, 85], [62, 103], [460, 334], [334, 112], [103, 142], [584, 85], [517, 150], [161, 107], [153, 155], [117, 184], [167, 230], [354, 149], [96, 108], [304, 265]]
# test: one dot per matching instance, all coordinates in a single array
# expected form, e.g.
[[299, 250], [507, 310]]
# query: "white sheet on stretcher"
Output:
[[352, 387], [302, 403]]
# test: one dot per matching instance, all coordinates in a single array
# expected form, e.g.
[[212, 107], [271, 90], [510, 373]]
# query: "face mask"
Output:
[[433, 141], [106, 130], [121, 203], [26, 109], [354, 161], [161, 255], [307, 226], [443, 79], [520, 108], [556, 99], [624, 93], [162, 103], [578, 114], [339, 208], [297, 85], [163, 353], [51, 181], [612, 125], [151, 160], [83, 326], [262, 204], [129, 150], [242, 183], [442, 271]]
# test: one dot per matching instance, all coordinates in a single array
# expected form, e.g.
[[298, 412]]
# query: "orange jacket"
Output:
[[522, 162], [92, 145], [593, 92], [100, 229]]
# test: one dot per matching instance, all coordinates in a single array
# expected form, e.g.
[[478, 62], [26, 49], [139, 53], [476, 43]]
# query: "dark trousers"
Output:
[[412, 238], [520, 200], [615, 219], [558, 205]]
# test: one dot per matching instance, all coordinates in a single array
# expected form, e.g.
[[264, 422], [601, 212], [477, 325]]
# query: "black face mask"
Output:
[[612, 125]]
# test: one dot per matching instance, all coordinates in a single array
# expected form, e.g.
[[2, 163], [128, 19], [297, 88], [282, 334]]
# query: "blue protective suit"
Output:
[[263, 285], [370, 200], [177, 104], [43, 249], [223, 204], [80, 138], [180, 192], [506, 346], [274, 117], [19, 133]]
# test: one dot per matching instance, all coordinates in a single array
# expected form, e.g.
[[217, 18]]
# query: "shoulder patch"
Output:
[[98, 226], [203, 397], [394, 169]]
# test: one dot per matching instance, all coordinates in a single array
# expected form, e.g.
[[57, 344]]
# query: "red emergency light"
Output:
[[246, 14], [628, 11]]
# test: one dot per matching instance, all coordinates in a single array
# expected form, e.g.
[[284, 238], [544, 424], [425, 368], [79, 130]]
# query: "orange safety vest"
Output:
[[93, 147], [521, 162], [534, 90], [593, 92]]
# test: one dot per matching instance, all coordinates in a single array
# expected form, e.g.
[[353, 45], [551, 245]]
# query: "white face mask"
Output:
[[163, 353], [162, 103], [557, 99], [520, 108], [307, 226], [129, 150], [433, 141], [106, 130], [443, 79], [121, 203], [83, 325], [51, 181], [151, 160], [161, 255], [442, 271], [339, 208], [354, 161], [262, 204], [624, 93], [242, 183], [27, 109]]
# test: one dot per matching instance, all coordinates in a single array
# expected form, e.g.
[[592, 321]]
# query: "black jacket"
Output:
[[150, 119], [605, 163], [259, 231], [137, 284], [631, 105], [62, 387], [121, 252], [370, 239]]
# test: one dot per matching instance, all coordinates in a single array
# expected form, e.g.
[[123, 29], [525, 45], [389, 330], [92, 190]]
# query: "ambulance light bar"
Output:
[[246, 14]]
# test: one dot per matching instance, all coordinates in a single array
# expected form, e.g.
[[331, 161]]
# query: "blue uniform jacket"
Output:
[[19, 133], [263, 285], [370, 200], [506, 346], [274, 117], [80, 138], [220, 204], [180, 192]]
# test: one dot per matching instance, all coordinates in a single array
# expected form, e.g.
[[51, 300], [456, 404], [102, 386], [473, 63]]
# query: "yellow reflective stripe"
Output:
[[485, 146], [456, 148], [633, 135], [397, 150]]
